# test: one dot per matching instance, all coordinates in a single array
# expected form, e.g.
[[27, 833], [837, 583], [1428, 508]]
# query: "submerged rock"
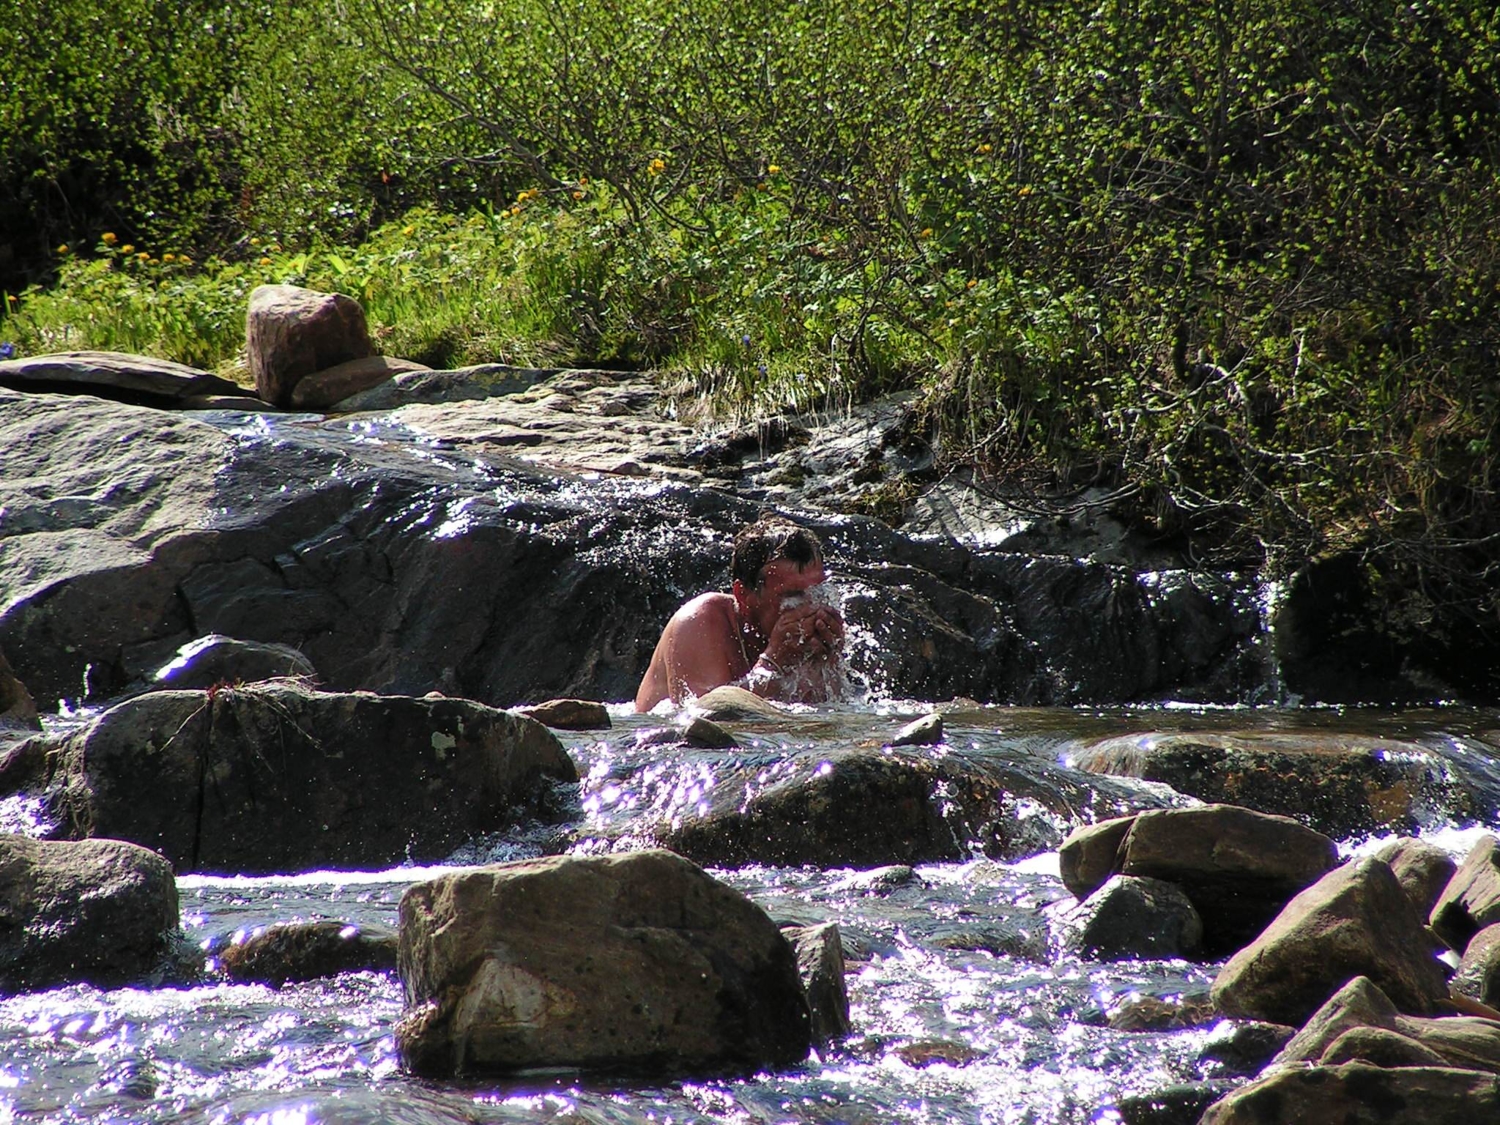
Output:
[[96, 911], [637, 961], [278, 777], [1355, 921], [1341, 785], [300, 951], [569, 714], [926, 731]]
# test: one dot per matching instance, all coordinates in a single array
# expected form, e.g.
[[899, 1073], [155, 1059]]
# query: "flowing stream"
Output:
[[963, 1009]]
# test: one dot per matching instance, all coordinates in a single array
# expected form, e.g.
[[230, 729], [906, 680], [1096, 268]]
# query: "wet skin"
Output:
[[767, 638]]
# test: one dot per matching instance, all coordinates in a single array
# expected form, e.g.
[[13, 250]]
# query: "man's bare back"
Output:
[[767, 635]]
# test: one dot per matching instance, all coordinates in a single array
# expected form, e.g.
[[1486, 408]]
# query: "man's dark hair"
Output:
[[767, 541]]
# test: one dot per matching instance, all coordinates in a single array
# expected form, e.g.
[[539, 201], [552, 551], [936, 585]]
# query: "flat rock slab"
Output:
[[637, 961], [94, 911], [301, 951], [120, 375], [322, 389], [277, 777], [461, 384]]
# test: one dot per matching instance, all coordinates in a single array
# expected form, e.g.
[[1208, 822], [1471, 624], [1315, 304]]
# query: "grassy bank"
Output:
[[1236, 261]]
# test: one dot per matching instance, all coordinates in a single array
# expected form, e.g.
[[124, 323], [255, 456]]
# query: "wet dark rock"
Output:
[[705, 734], [728, 704], [1422, 869], [1182, 1104], [926, 731], [1238, 867], [291, 332], [569, 714], [820, 961], [1002, 939], [866, 808], [640, 961], [95, 911], [217, 659], [17, 709], [120, 376], [301, 951], [1355, 921], [1478, 975], [922, 1053], [1361, 1022], [1344, 787], [1358, 1093], [1471, 900], [1244, 1047], [322, 389], [1132, 918], [1090, 855], [278, 777]]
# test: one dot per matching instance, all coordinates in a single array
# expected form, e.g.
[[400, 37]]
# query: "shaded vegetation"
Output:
[[1236, 261]]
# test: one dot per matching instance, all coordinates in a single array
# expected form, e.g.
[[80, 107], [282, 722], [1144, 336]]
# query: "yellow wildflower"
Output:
[[408, 231], [63, 249], [108, 238], [578, 195], [169, 257], [926, 233], [127, 249], [970, 283], [265, 261], [657, 166], [774, 170], [255, 242], [1024, 189], [143, 256], [986, 148], [185, 260]]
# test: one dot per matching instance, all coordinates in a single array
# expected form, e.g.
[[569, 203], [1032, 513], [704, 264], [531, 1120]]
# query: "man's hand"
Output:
[[805, 632]]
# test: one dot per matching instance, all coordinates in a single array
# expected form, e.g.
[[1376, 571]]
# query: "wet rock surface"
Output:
[[1355, 921], [1471, 900], [639, 960], [217, 659], [1422, 868], [95, 911], [302, 951], [278, 777], [1130, 917], [1359, 1093]]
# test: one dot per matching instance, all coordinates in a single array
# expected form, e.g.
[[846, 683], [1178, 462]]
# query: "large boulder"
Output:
[[1478, 975], [637, 961], [291, 332], [1355, 921], [1360, 1094], [1090, 855], [1471, 900], [278, 777], [1238, 867], [1341, 784], [97, 911]]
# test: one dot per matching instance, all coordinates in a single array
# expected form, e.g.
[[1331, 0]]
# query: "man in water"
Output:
[[771, 633]]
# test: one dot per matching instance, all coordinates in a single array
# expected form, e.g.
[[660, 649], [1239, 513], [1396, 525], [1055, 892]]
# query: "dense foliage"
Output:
[[1236, 260]]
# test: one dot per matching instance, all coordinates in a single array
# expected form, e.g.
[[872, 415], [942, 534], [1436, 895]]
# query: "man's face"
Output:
[[779, 580]]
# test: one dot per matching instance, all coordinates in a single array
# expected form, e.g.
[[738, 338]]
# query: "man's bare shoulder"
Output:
[[706, 610]]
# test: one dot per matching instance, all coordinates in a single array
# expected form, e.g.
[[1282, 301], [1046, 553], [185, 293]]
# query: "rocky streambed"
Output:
[[1062, 859]]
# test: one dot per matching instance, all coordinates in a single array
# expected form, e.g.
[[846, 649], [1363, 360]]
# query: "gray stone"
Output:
[[1355, 921], [1478, 975], [458, 385], [820, 961], [96, 911], [133, 378], [1471, 900], [638, 960], [322, 389], [278, 777], [1360, 1003], [1238, 867], [1422, 869], [291, 332], [302, 951], [1133, 918], [926, 731], [1360, 1094], [1090, 855], [1244, 1047]]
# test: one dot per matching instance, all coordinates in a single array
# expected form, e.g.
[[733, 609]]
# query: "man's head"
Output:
[[769, 540]]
